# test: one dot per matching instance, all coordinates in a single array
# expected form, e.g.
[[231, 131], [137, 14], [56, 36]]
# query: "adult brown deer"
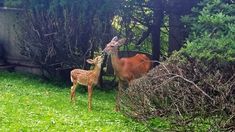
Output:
[[88, 78], [126, 69]]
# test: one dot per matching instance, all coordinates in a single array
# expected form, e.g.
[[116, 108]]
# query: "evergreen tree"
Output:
[[212, 35]]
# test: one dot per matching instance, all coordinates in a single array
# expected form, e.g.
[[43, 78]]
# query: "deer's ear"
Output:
[[115, 39], [90, 61], [121, 41]]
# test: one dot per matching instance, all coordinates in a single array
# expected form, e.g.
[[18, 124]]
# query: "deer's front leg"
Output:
[[118, 96], [89, 97]]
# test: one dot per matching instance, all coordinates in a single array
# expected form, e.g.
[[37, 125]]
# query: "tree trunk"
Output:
[[156, 30], [177, 30], [107, 29]]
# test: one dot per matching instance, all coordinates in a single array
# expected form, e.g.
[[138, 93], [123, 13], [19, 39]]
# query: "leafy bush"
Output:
[[212, 31]]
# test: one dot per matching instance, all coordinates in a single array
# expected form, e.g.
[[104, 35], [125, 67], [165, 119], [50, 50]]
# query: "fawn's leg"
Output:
[[73, 92], [89, 97]]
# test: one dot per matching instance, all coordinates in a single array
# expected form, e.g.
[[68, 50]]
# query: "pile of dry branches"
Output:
[[183, 87]]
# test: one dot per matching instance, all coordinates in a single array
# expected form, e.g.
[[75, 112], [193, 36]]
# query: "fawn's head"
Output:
[[96, 61], [113, 45]]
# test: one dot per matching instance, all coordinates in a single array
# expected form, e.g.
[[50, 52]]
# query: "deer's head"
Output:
[[113, 45], [97, 61]]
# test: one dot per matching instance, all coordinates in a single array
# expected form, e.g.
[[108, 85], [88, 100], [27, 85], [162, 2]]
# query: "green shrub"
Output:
[[212, 35]]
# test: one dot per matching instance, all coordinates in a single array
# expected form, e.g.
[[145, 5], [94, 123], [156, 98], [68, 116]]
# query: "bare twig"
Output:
[[185, 79], [49, 34], [230, 118]]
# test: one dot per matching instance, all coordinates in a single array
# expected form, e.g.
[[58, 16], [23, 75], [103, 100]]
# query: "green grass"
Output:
[[27, 103]]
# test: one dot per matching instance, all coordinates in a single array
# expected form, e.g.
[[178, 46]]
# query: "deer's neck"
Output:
[[96, 73], [97, 69], [116, 62]]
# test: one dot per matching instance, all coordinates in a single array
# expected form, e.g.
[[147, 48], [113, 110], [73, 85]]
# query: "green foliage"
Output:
[[13, 3], [172, 123], [132, 30], [134, 21], [157, 124], [212, 36], [165, 37]]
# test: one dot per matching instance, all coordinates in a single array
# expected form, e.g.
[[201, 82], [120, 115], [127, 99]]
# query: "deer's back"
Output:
[[83, 77], [135, 67]]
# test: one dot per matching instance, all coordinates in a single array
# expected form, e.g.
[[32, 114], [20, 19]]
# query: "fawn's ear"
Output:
[[121, 41], [115, 39], [90, 61]]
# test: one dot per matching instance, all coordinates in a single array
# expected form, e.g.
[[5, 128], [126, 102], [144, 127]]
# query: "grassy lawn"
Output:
[[27, 103]]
